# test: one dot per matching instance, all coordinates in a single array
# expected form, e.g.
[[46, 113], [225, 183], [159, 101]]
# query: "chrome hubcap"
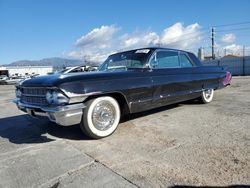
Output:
[[103, 116], [207, 93]]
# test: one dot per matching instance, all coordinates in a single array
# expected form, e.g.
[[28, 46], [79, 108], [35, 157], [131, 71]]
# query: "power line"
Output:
[[237, 29], [200, 34], [206, 29], [232, 24], [197, 33], [238, 35]]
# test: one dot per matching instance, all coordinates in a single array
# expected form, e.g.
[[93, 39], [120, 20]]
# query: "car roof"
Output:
[[152, 48]]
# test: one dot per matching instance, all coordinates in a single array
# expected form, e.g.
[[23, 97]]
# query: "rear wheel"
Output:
[[207, 96], [101, 117]]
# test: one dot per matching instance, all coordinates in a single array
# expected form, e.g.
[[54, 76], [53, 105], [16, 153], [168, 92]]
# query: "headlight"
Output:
[[54, 97], [49, 97], [18, 93]]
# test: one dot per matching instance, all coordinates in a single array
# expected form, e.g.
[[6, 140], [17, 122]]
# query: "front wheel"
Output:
[[101, 117], [207, 96]]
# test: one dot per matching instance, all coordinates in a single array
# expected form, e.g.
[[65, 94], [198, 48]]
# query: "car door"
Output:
[[140, 90], [191, 82], [170, 80], [197, 78]]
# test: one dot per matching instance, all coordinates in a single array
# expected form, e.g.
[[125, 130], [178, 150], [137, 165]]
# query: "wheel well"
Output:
[[120, 98]]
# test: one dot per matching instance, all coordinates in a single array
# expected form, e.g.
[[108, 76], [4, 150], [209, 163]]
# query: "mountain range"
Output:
[[55, 62]]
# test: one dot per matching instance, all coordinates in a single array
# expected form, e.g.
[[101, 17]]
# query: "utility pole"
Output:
[[243, 53], [212, 38], [243, 60]]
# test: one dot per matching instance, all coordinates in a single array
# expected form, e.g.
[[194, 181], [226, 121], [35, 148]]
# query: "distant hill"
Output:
[[55, 62]]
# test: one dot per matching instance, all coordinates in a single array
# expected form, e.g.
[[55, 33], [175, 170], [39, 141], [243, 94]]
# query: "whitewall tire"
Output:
[[207, 96], [101, 117]]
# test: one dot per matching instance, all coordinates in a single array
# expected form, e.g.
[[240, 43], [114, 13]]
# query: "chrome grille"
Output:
[[35, 96], [34, 100], [34, 91]]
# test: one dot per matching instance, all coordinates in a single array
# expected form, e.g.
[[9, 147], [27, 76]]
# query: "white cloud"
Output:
[[178, 36], [99, 36], [236, 49], [95, 45], [233, 48], [100, 42], [139, 40], [175, 36], [228, 38]]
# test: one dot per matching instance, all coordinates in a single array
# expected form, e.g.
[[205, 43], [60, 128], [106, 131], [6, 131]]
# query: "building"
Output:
[[228, 56], [25, 70], [201, 54]]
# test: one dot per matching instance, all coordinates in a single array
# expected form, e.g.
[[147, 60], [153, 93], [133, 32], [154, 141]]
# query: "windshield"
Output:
[[63, 71], [126, 60]]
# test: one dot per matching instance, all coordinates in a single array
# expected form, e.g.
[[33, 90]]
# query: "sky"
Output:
[[36, 29]]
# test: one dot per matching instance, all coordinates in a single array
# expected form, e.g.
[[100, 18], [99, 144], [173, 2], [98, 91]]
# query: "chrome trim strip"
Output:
[[70, 94], [38, 87], [50, 109], [64, 108], [75, 97], [32, 95], [62, 115]]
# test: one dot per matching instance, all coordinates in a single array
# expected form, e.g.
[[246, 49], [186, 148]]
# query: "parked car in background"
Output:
[[13, 79], [127, 82], [3, 77], [78, 69], [10, 80]]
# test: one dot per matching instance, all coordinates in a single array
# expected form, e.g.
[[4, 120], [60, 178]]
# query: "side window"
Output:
[[185, 62], [166, 59], [131, 63]]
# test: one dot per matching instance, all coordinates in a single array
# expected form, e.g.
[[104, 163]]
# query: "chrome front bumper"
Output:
[[63, 115]]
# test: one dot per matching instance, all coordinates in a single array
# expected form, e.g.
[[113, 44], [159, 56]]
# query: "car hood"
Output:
[[56, 80]]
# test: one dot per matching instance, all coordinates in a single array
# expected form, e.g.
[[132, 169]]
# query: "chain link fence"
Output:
[[238, 66]]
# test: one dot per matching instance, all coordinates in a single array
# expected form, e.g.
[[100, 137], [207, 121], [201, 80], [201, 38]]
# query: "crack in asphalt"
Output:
[[97, 161], [55, 182]]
